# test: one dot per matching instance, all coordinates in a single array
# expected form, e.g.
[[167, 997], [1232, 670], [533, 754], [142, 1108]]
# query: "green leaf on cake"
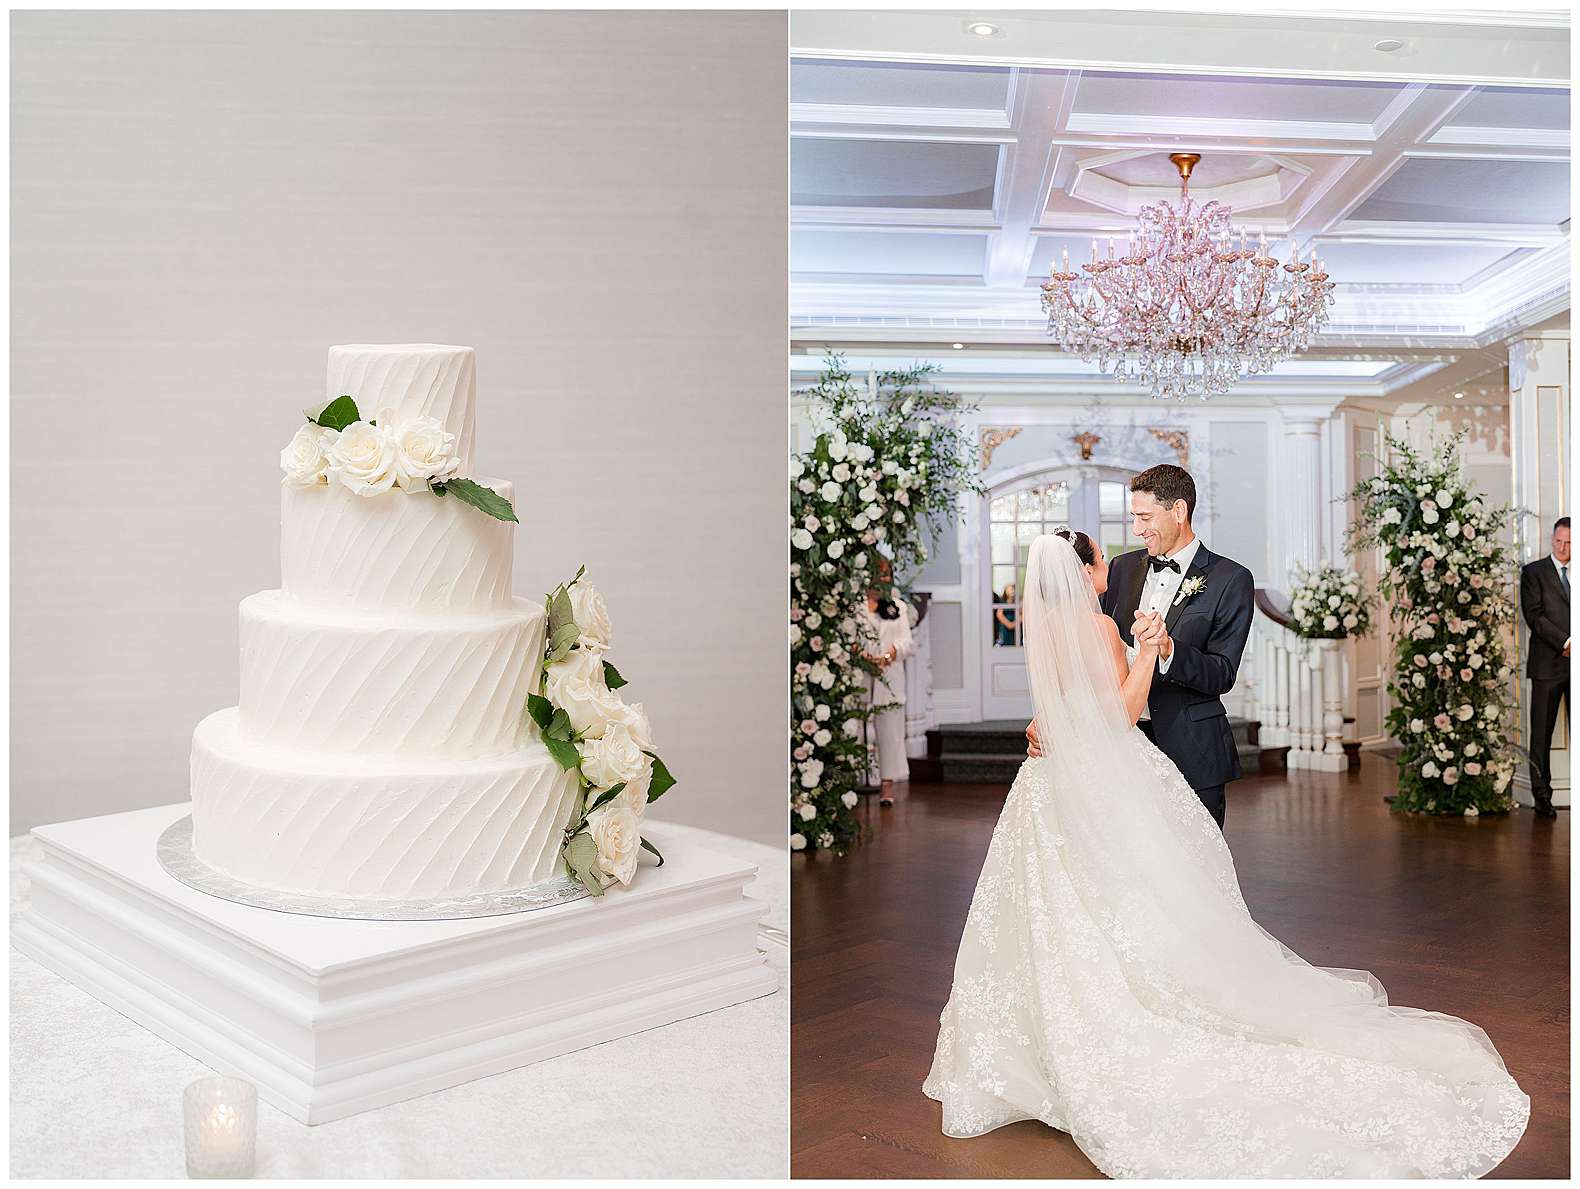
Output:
[[338, 413], [564, 753], [580, 570], [662, 781], [606, 796], [564, 636], [541, 710], [581, 852], [483, 498], [611, 676], [653, 850], [581, 856], [560, 611], [559, 726]]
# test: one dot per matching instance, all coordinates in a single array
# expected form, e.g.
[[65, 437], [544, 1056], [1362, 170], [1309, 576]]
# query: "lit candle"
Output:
[[221, 1116]]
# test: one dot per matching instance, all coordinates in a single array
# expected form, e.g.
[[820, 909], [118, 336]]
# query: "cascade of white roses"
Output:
[[1446, 579], [369, 458], [590, 731], [889, 463]]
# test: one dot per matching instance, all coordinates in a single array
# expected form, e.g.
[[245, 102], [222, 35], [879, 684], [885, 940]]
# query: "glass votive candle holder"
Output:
[[221, 1127]]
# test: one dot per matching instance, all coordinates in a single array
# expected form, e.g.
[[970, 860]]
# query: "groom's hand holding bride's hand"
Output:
[[1150, 631]]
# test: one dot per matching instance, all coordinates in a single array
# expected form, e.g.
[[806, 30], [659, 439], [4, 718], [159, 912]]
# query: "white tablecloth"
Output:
[[94, 1095]]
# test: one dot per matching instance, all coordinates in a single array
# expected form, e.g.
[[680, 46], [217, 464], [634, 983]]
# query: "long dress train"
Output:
[[1051, 1017]]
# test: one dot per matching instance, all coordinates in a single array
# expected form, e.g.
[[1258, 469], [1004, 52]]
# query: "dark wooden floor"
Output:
[[1465, 917]]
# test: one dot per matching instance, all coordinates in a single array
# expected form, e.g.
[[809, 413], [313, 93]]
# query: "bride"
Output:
[[1111, 983]]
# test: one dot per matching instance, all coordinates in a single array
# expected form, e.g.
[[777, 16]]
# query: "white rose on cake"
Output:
[[617, 833], [614, 758], [306, 459], [634, 795], [576, 686], [423, 450], [592, 617], [362, 459], [634, 719]]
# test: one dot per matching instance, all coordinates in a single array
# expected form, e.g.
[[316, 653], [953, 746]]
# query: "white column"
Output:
[[1302, 489], [1539, 443]]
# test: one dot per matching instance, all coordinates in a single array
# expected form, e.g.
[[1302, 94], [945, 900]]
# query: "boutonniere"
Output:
[[1190, 588]]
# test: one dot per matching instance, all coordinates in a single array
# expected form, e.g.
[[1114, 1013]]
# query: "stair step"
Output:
[[992, 752]]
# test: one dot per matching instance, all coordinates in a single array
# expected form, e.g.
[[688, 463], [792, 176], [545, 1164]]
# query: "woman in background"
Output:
[[890, 626], [1004, 618]]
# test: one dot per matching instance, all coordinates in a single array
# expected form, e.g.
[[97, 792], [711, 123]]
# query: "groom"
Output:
[[1197, 606]]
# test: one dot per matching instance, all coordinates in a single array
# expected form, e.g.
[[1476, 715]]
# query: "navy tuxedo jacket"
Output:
[[1190, 723]]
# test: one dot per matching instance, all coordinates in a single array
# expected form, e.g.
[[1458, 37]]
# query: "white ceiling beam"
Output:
[[1196, 127], [1306, 45], [1330, 200], [1042, 106]]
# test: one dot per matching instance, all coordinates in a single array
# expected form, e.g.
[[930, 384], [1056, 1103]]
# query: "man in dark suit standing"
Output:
[[1544, 600], [1197, 605]]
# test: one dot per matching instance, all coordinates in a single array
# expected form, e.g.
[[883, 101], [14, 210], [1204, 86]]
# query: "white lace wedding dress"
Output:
[[1111, 983]]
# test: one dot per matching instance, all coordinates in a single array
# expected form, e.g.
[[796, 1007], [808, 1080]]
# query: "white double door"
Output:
[[1094, 500]]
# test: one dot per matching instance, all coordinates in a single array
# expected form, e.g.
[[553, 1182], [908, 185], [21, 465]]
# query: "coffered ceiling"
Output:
[[936, 174]]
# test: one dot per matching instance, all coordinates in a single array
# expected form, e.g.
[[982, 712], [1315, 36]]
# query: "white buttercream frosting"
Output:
[[450, 686], [401, 551], [374, 827], [413, 379]]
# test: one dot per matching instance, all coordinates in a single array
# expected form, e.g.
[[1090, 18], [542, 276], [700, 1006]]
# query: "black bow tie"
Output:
[[1163, 563]]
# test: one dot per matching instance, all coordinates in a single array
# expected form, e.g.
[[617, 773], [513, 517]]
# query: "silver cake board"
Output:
[[330, 1017], [176, 856]]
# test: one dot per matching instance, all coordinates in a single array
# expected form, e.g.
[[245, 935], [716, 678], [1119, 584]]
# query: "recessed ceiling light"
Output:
[[1389, 45], [958, 346], [982, 29], [1459, 396]]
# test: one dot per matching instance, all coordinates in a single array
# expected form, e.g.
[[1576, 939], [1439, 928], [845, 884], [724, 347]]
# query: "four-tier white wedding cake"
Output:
[[379, 747]]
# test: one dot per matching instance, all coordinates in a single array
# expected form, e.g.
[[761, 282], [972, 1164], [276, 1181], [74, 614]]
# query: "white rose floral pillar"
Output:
[[893, 457], [1446, 582]]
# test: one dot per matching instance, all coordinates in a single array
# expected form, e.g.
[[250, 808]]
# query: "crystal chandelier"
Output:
[[1184, 310]]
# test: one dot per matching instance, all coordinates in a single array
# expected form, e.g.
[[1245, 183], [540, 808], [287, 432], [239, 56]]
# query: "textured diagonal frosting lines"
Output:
[[417, 379], [416, 552], [451, 686], [423, 830]]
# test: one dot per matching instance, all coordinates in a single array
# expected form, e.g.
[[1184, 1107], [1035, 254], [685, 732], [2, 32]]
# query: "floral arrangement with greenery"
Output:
[[1329, 604], [1446, 579], [889, 462], [369, 458], [593, 733]]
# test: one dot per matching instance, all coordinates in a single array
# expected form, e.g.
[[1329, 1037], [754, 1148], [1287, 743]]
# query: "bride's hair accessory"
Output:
[[1080, 542]]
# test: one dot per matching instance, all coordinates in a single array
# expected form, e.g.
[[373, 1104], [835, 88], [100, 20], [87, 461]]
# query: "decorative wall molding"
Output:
[[1177, 440], [993, 438]]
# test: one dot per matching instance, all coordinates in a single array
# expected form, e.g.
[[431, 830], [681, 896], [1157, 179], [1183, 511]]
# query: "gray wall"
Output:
[[203, 202]]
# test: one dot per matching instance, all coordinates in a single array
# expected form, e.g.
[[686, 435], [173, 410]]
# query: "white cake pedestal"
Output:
[[332, 1017]]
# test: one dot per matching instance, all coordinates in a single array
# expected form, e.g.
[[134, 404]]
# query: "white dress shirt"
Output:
[[1163, 585]]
